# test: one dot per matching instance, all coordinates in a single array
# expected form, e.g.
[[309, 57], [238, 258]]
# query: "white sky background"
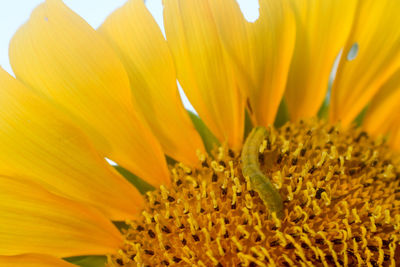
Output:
[[14, 13]]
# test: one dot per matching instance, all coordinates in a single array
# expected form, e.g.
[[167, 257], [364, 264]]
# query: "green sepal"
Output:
[[88, 261], [209, 140], [324, 110], [170, 161], [121, 225], [282, 115], [360, 117], [141, 185]]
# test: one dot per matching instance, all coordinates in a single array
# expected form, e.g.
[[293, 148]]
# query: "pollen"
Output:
[[340, 199]]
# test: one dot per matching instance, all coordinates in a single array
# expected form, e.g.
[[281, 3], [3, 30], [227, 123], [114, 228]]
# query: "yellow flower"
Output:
[[309, 193]]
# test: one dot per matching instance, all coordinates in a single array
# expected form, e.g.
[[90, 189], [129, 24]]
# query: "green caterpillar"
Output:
[[251, 169]]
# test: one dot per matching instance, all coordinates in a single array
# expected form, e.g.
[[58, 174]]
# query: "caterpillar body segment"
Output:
[[251, 169]]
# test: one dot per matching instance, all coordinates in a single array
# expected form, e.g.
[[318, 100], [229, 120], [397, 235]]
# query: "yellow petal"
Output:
[[260, 52], [203, 68], [33, 260], [38, 141], [384, 111], [138, 40], [35, 221], [377, 33], [58, 54], [394, 133], [322, 30]]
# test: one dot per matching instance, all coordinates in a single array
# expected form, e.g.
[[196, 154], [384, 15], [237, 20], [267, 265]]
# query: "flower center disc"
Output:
[[341, 201]]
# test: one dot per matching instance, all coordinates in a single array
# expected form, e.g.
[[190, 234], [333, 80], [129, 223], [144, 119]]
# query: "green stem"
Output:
[[251, 169]]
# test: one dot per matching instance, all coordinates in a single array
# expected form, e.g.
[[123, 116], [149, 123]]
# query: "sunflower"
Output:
[[320, 188]]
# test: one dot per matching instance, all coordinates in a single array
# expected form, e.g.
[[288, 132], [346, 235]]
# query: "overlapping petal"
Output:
[[33, 260], [383, 113], [38, 141], [377, 34], [322, 30], [260, 52], [203, 68], [32, 220], [138, 40], [59, 55], [394, 133]]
